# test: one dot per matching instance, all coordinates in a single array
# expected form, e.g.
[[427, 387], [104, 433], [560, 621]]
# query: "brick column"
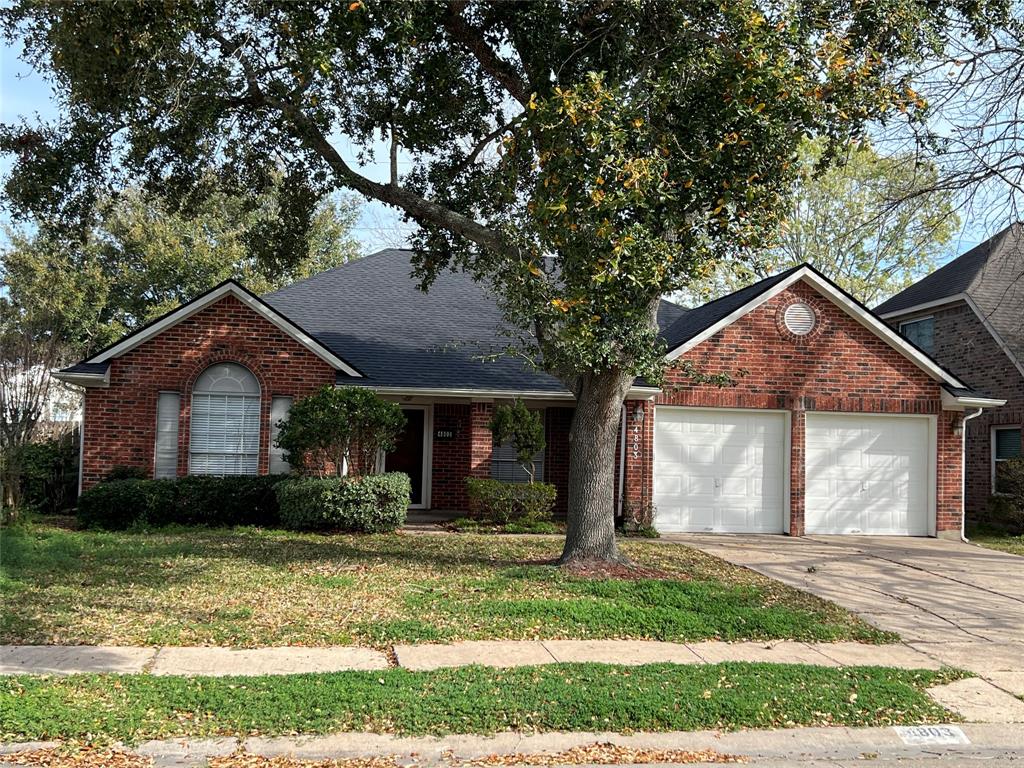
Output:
[[639, 453], [481, 442], [797, 476]]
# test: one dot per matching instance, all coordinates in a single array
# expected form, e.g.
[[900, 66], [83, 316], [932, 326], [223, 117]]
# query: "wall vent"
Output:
[[799, 319]]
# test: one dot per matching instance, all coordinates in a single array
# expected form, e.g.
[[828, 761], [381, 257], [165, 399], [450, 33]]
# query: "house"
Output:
[[969, 315], [834, 422]]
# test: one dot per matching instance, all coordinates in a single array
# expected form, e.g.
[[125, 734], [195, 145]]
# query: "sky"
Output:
[[23, 93]]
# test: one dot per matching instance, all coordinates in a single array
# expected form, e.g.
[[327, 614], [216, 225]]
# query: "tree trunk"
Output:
[[595, 426]]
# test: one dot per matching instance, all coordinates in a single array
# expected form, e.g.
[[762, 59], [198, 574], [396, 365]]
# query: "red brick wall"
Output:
[[120, 421], [965, 347], [451, 456], [840, 366]]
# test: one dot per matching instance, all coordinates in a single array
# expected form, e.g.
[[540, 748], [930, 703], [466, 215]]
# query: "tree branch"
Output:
[[416, 206], [472, 40]]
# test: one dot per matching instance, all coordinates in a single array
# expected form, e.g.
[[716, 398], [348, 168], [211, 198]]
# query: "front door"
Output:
[[408, 454]]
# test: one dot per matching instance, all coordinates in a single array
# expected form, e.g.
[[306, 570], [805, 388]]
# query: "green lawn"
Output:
[[995, 539], [247, 587], [562, 697]]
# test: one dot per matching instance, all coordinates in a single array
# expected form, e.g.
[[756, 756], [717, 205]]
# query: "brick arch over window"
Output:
[[237, 356]]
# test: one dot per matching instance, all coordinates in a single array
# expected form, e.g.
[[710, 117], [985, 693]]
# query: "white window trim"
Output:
[[992, 450], [258, 396], [156, 438]]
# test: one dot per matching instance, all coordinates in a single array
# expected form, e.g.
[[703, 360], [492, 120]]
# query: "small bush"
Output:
[[48, 473], [369, 504], [235, 500], [123, 503], [1002, 513], [193, 500], [125, 473], [500, 503]]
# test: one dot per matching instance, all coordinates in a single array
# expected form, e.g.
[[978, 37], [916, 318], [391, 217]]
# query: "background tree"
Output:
[[149, 259], [872, 223], [584, 158], [339, 430], [523, 428], [40, 309]]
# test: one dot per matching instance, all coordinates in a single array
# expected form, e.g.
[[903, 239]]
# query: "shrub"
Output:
[[499, 502], [369, 504], [125, 473], [193, 500], [124, 503], [47, 473], [1006, 509], [338, 426]]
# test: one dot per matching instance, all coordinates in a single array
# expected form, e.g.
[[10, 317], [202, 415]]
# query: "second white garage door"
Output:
[[868, 474], [719, 470]]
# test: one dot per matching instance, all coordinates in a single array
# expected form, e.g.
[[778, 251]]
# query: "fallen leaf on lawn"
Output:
[[599, 753], [84, 757]]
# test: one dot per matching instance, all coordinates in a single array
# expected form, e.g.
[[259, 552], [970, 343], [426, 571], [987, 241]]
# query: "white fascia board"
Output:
[[101, 380], [261, 308], [926, 306], [951, 402], [863, 316], [635, 393]]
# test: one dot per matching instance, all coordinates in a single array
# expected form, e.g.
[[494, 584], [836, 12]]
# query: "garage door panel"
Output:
[[722, 459], [867, 474]]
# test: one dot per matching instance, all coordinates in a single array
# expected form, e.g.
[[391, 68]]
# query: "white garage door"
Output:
[[868, 474], [719, 470]]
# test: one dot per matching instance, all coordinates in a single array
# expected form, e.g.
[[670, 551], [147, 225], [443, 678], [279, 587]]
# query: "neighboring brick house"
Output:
[[832, 423], [969, 315]]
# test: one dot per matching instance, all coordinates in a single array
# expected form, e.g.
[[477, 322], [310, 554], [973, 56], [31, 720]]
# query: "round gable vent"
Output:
[[799, 319]]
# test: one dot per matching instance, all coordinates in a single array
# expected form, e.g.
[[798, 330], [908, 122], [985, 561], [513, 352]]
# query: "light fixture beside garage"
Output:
[[799, 318]]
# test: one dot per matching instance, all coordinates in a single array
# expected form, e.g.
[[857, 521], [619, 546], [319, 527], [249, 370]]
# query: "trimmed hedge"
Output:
[[370, 504], [192, 500], [498, 502]]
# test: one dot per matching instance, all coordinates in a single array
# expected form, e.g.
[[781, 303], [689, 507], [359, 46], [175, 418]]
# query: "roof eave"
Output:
[[93, 380], [951, 402]]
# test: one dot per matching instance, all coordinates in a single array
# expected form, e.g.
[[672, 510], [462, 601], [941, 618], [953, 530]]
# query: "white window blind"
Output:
[[168, 406], [279, 408], [506, 467], [224, 436]]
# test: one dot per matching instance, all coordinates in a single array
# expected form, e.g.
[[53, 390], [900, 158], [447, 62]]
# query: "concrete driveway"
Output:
[[961, 604]]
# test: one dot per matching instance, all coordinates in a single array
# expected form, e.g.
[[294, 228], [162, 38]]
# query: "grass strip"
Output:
[[558, 697]]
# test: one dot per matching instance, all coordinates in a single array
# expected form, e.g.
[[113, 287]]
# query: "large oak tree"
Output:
[[584, 157]]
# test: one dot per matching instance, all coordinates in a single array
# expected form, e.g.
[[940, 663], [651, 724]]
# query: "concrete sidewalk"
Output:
[[809, 746], [213, 661]]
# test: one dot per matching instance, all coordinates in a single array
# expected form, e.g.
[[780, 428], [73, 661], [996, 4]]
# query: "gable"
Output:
[[829, 292], [839, 360], [228, 289]]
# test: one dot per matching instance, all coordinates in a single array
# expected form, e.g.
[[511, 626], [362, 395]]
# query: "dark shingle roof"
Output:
[[991, 273], [696, 320], [370, 313]]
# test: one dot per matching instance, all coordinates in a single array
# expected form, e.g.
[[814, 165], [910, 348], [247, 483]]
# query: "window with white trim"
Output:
[[224, 431], [505, 465], [279, 408], [921, 332], [1005, 446], [165, 461]]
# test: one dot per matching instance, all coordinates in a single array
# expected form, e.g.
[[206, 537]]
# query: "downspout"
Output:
[[963, 475], [622, 464]]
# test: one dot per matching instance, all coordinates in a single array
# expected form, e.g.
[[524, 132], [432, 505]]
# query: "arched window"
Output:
[[224, 437]]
